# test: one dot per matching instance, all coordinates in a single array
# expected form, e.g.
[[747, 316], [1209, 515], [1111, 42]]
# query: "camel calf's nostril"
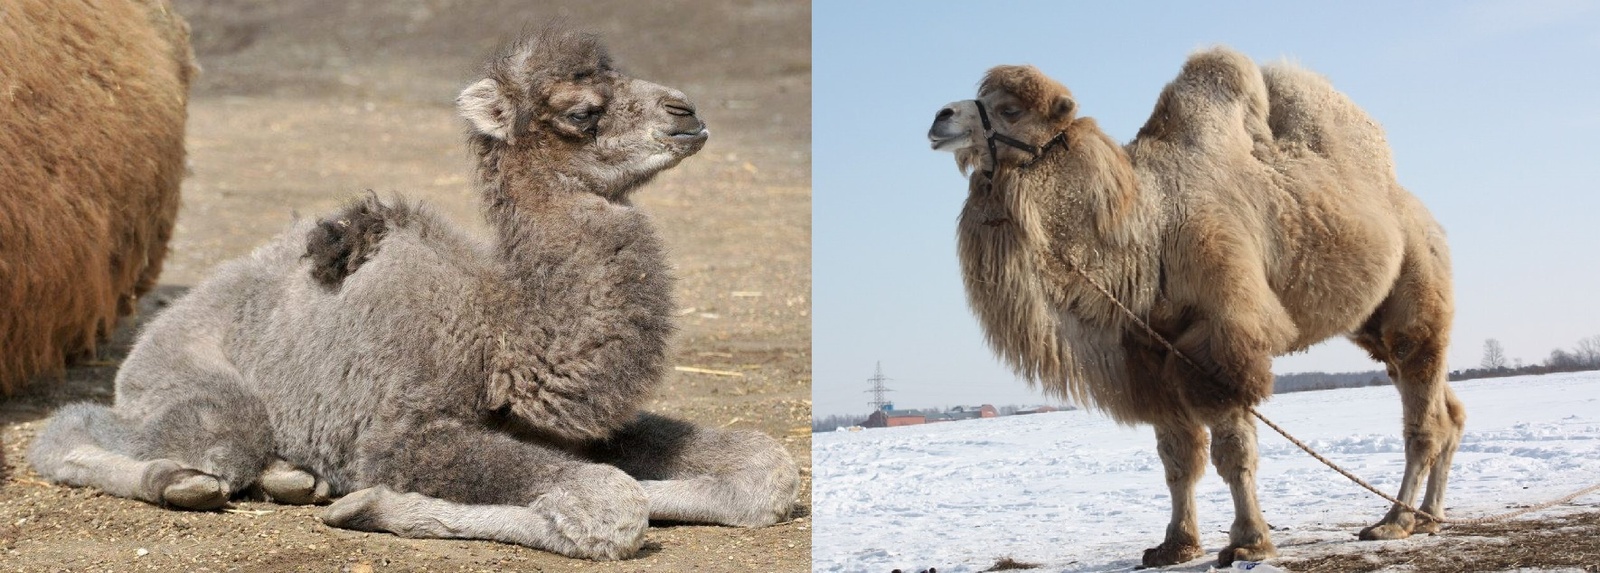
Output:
[[944, 114], [679, 108]]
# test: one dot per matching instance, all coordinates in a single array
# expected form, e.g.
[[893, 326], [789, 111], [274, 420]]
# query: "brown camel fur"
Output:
[[1255, 214], [92, 111]]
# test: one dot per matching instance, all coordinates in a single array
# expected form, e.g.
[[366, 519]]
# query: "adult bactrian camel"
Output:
[[92, 108], [1256, 213], [458, 388]]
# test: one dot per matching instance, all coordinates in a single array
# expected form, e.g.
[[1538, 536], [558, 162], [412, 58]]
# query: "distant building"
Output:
[[893, 418], [1037, 410], [973, 412]]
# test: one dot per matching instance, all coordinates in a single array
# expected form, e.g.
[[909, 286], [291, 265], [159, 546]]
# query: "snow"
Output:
[[1076, 492]]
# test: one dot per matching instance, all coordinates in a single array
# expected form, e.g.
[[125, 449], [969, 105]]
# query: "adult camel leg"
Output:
[[1233, 450], [1410, 332], [704, 475], [1182, 446], [453, 478]]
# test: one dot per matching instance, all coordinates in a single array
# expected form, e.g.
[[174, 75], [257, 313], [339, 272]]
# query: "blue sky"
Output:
[[1492, 109]]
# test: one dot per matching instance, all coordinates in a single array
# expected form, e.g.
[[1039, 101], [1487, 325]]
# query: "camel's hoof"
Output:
[[293, 486], [1425, 526], [1171, 553], [194, 489], [357, 511], [1258, 552], [1384, 531]]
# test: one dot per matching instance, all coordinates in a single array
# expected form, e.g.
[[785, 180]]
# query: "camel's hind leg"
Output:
[[1410, 334], [191, 444], [88, 445], [1182, 446], [704, 475], [1233, 449]]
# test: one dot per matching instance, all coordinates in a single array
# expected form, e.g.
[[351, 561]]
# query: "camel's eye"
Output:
[[1010, 112], [583, 116]]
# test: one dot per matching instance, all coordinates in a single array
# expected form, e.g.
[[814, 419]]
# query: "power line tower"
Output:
[[878, 389]]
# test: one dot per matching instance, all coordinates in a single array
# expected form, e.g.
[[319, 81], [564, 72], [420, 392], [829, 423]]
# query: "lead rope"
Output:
[[1302, 445]]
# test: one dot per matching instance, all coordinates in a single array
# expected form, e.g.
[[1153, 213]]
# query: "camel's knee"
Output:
[[769, 483], [599, 511], [1183, 453]]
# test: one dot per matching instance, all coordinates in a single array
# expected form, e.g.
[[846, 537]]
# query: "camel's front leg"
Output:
[[1183, 453], [457, 479], [1233, 450], [704, 475], [577, 519]]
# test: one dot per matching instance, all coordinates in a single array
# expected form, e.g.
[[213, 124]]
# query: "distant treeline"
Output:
[[1584, 356], [834, 422]]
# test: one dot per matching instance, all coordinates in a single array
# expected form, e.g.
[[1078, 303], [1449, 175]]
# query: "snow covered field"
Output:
[[1076, 492]]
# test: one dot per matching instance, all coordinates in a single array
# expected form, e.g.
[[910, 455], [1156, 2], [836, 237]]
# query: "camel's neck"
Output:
[[1091, 216], [578, 326]]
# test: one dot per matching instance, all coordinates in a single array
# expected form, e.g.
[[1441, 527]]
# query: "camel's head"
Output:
[[1020, 104], [553, 101]]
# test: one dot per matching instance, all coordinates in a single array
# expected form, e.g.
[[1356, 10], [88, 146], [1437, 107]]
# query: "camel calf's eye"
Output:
[[1010, 113]]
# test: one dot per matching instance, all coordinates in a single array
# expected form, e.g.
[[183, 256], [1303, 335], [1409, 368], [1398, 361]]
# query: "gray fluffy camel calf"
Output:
[[445, 386]]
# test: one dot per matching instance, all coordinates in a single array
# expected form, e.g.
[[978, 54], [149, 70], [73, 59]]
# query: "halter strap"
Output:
[[992, 136]]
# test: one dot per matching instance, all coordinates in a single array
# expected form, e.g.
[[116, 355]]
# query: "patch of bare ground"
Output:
[[1570, 542]]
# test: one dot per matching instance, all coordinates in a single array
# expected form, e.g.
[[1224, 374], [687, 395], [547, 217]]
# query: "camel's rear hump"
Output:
[[1306, 112]]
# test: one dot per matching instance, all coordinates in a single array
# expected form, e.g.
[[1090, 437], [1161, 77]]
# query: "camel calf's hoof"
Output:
[[1257, 552], [283, 483], [1171, 553], [193, 489]]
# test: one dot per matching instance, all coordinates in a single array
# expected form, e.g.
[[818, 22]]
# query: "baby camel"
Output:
[[452, 388]]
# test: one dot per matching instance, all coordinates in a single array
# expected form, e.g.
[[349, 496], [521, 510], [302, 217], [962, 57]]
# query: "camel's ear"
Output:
[[486, 108], [1061, 110]]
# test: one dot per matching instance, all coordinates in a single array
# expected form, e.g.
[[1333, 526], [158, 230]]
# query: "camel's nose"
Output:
[[945, 114], [679, 107]]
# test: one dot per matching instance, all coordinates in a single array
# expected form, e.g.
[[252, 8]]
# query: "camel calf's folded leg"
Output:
[[704, 475], [88, 445], [455, 479], [614, 528]]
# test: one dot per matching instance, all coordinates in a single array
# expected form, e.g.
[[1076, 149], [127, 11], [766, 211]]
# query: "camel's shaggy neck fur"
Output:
[[1018, 229]]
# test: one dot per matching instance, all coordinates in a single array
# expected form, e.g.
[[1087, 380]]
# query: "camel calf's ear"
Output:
[[1061, 110], [486, 108]]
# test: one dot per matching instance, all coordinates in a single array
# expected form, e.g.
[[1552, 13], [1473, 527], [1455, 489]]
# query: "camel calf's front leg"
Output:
[[596, 513], [457, 479], [703, 475]]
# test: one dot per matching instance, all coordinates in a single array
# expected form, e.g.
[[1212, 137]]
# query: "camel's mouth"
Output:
[[942, 142], [685, 138]]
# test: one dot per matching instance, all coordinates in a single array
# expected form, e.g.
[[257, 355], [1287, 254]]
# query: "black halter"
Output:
[[992, 136]]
